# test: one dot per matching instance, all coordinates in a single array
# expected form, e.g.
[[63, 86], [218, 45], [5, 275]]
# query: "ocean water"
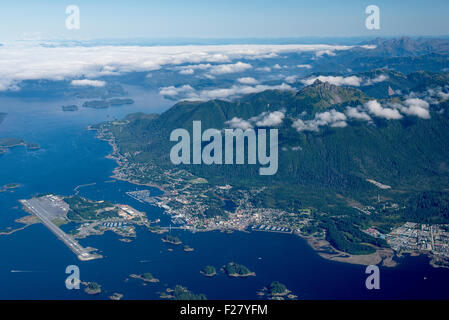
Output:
[[33, 260]]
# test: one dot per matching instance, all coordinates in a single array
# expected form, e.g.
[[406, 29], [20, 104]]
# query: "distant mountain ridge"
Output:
[[413, 82], [406, 46]]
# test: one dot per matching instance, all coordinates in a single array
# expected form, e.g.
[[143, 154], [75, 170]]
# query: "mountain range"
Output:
[[325, 167]]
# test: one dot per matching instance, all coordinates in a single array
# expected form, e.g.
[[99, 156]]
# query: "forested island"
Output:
[[233, 269], [91, 287], [104, 104], [209, 271], [182, 293], [8, 143], [146, 277], [276, 291]]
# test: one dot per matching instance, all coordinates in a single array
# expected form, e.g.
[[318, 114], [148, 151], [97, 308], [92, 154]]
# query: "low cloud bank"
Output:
[[33, 62]]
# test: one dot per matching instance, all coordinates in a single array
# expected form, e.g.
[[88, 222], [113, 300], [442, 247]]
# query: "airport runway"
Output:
[[73, 245]]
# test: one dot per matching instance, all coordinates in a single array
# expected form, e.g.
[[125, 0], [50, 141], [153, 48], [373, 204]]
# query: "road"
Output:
[[34, 206]]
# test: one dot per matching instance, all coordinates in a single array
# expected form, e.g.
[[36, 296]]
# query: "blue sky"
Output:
[[220, 19]]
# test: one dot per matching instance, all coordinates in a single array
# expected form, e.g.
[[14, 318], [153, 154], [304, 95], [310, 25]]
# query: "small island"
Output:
[[182, 293], [116, 296], [70, 108], [9, 186], [277, 291], [96, 104], [146, 277], [208, 271], [237, 270], [171, 239], [91, 287], [104, 104], [8, 143], [120, 102]]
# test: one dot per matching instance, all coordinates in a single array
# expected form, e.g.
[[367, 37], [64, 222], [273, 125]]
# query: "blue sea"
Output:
[[33, 260]]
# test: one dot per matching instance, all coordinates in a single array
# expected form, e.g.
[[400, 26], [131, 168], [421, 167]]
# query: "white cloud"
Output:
[[438, 92], [265, 69], [379, 78], [86, 82], [376, 109], [332, 118], [369, 46], [269, 119], [247, 80], [357, 114], [230, 68], [443, 95], [265, 119], [173, 91], [348, 81], [216, 69], [188, 71], [277, 66], [416, 107], [238, 123], [238, 91], [328, 52], [290, 79], [336, 119], [335, 80], [304, 66]]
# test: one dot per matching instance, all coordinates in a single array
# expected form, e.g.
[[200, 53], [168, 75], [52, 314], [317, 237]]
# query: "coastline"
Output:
[[26, 220], [115, 155], [323, 248]]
